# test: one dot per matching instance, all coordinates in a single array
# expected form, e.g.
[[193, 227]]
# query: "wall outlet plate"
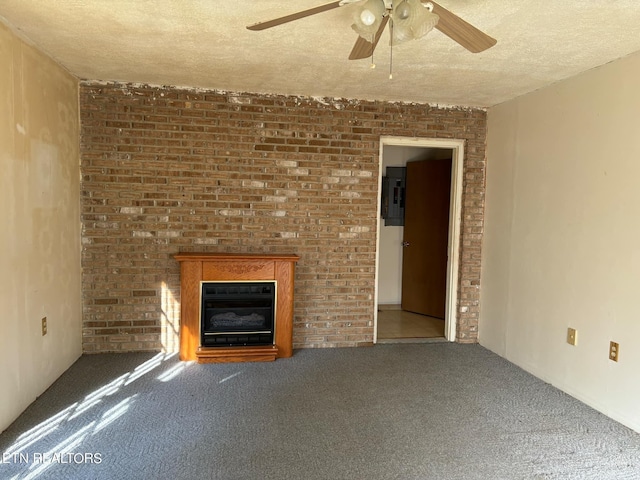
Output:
[[614, 351], [572, 336]]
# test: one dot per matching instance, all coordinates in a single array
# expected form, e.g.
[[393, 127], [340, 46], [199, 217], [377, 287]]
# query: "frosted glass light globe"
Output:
[[367, 17], [403, 10]]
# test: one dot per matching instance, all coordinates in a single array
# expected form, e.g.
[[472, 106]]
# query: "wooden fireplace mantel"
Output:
[[210, 267]]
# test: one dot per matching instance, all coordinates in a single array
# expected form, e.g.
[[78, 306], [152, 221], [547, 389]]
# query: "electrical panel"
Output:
[[393, 194]]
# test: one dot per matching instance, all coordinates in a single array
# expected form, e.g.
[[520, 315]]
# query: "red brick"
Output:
[[168, 170]]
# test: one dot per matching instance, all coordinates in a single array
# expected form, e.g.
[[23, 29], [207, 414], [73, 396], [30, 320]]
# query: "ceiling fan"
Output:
[[410, 20]]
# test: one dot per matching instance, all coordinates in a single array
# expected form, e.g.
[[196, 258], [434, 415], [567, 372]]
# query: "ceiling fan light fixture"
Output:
[[403, 10], [369, 18], [412, 20]]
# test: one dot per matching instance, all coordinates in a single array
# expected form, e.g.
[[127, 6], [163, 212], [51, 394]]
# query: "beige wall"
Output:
[[40, 234], [390, 238], [562, 226]]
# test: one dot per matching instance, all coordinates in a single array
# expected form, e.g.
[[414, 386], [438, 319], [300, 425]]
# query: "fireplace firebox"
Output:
[[237, 313]]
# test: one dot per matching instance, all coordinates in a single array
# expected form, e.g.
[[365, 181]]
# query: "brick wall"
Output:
[[167, 170]]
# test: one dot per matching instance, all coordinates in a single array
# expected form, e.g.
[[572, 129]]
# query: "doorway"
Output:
[[398, 151]]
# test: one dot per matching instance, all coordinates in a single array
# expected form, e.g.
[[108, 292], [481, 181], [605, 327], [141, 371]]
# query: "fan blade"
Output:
[[295, 16], [363, 48], [460, 31]]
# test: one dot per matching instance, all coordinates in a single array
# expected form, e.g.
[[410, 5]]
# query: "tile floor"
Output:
[[394, 323]]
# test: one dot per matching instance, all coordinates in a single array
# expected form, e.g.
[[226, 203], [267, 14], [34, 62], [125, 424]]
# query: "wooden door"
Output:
[[426, 237]]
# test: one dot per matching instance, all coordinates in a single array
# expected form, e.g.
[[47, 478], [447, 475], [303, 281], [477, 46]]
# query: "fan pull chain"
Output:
[[373, 40], [391, 51]]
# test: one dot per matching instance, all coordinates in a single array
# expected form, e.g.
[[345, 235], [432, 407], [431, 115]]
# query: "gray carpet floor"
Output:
[[427, 411]]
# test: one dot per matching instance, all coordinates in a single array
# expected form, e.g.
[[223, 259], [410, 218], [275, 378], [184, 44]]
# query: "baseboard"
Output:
[[389, 306]]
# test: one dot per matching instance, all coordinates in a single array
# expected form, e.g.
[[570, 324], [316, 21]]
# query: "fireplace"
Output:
[[237, 313], [236, 307]]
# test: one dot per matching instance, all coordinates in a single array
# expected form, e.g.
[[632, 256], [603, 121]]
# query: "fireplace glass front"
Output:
[[237, 313]]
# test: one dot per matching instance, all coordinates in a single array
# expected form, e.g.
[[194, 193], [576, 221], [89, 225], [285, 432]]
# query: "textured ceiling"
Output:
[[204, 44]]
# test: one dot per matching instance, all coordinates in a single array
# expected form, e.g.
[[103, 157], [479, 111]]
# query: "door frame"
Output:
[[455, 224]]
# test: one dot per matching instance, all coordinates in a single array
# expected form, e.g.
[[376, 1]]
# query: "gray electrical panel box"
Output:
[[393, 193]]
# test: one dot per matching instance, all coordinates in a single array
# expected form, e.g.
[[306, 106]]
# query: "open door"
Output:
[[426, 237]]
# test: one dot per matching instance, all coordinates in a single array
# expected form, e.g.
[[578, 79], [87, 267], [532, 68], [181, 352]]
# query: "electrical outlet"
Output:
[[614, 351], [44, 326], [572, 336]]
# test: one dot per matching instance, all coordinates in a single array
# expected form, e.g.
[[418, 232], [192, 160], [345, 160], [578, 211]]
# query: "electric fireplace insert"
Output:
[[237, 313]]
